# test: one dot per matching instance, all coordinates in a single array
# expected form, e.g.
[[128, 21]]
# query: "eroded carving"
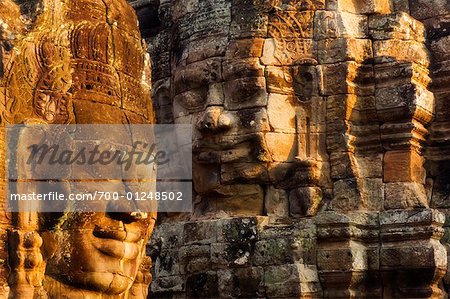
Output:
[[306, 109], [69, 62]]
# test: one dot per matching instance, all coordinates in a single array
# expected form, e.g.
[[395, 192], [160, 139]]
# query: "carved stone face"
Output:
[[246, 78], [225, 101], [98, 252], [104, 250], [84, 68]]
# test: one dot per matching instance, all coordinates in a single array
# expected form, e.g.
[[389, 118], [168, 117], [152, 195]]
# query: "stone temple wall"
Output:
[[321, 147]]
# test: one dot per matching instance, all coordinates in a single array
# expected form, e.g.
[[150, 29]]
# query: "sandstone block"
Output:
[[363, 7], [205, 183], [330, 24], [343, 165], [242, 27], [245, 93], [373, 193], [332, 225], [241, 283], [243, 172], [400, 50], [232, 255], [370, 165], [305, 201], [282, 281], [235, 200], [282, 113], [210, 46], [397, 26], [401, 5], [401, 102], [202, 232], [276, 203], [237, 230], [297, 5], [197, 74], [282, 147], [347, 194], [169, 236], [403, 166], [410, 224], [279, 80], [423, 9], [241, 68], [239, 153], [404, 195], [184, 8], [194, 258], [244, 48], [352, 255], [284, 52], [272, 252], [344, 49], [307, 81], [200, 25], [347, 78], [291, 24]]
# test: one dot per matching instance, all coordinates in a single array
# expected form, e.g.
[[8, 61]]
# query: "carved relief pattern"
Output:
[[292, 32]]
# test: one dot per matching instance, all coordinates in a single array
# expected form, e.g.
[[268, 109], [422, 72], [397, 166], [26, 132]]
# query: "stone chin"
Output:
[[104, 264]]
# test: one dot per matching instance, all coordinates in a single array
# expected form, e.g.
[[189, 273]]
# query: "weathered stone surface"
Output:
[[276, 203], [344, 49], [296, 5], [305, 201], [430, 257], [404, 195], [399, 26], [299, 50], [333, 110], [62, 65], [400, 50], [330, 24], [362, 7], [422, 9], [241, 283], [403, 167]]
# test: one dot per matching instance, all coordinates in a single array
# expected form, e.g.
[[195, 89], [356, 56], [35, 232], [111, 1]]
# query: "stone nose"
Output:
[[215, 119]]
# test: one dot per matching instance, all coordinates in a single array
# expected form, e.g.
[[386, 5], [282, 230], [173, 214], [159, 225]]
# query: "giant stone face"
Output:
[[246, 79], [77, 62]]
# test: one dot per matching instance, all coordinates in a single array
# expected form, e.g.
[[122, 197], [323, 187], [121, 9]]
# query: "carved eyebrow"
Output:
[[198, 74], [188, 77]]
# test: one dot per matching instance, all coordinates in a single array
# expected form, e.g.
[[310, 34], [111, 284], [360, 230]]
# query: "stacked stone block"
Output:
[[354, 103]]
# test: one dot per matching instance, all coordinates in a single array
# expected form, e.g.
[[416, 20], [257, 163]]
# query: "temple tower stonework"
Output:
[[319, 140]]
